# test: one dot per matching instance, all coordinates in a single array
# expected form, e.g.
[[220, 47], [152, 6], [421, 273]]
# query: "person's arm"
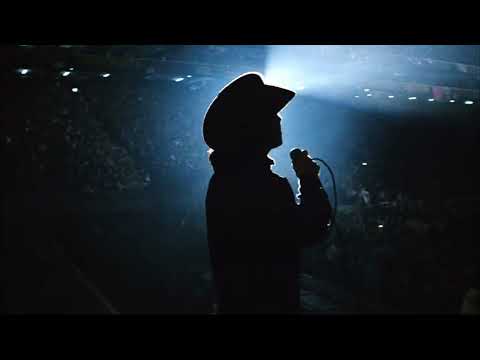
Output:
[[314, 212]]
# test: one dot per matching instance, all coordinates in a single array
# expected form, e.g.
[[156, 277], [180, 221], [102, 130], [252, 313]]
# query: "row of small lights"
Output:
[[178, 79], [411, 98], [64, 73], [68, 72]]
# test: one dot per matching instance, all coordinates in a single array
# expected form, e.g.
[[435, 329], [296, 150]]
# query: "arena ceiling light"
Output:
[[412, 98], [105, 75], [75, 90], [178, 79], [469, 102], [391, 96], [431, 100], [452, 101], [23, 71], [65, 73]]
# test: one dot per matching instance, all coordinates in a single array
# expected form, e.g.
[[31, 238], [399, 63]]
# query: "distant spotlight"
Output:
[[178, 79], [189, 76], [380, 226], [412, 98], [391, 96], [74, 90], [105, 75], [356, 96], [366, 90], [431, 100], [71, 69], [369, 94], [65, 73], [364, 164], [468, 102], [23, 71], [452, 101]]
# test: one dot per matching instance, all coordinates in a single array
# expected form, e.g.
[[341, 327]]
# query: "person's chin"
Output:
[[277, 143]]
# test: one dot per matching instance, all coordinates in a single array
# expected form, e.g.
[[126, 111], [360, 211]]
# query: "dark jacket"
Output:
[[256, 232]]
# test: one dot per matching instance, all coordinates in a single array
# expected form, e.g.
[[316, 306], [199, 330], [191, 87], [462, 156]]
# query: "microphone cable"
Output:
[[334, 190]]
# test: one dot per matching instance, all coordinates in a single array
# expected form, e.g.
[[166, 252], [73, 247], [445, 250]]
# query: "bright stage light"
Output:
[[178, 79], [431, 100], [74, 90], [332, 72], [468, 102]]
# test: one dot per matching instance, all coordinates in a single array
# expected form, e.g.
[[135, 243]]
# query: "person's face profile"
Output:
[[270, 130], [277, 131]]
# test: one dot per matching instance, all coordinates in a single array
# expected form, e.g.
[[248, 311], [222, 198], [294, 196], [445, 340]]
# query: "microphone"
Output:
[[300, 158], [295, 154]]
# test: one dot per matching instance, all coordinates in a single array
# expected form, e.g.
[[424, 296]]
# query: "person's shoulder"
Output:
[[278, 178], [223, 187]]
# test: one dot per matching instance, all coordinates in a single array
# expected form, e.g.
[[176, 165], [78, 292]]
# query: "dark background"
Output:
[[103, 189]]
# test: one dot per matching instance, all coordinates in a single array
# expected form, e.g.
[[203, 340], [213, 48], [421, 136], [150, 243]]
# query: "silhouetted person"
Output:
[[255, 228]]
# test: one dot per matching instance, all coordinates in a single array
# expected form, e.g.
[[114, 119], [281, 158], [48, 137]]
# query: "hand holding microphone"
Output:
[[306, 168], [303, 164]]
